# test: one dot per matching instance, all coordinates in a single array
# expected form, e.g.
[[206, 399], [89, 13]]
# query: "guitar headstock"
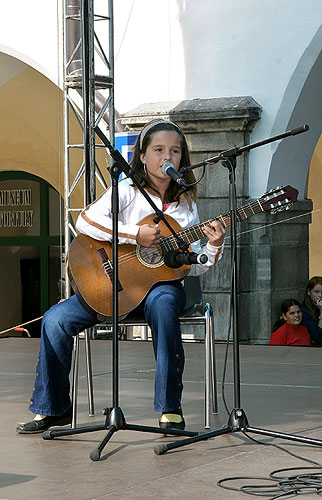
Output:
[[278, 199]]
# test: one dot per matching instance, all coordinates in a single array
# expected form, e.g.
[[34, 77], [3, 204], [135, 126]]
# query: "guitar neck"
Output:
[[196, 233]]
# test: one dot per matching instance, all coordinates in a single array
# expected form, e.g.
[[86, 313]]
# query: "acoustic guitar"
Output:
[[91, 267]]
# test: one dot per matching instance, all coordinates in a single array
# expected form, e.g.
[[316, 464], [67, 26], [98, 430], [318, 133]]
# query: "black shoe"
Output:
[[38, 426], [172, 420]]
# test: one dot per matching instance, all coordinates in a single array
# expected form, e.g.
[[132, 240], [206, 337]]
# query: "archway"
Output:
[[30, 242], [301, 105]]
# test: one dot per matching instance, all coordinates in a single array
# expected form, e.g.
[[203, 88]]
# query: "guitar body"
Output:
[[90, 269]]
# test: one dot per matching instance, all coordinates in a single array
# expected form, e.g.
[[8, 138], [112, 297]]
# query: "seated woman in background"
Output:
[[288, 330], [312, 309]]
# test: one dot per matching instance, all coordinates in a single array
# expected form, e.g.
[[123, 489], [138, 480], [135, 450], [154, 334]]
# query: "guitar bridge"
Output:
[[108, 266]]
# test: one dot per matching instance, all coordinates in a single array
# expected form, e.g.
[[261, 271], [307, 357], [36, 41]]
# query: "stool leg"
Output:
[[89, 372], [213, 362], [210, 370], [145, 332], [75, 380]]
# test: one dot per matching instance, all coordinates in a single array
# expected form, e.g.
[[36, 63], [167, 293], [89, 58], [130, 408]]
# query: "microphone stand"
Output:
[[237, 421], [115, 419]]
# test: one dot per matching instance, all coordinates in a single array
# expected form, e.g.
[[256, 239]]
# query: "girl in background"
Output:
[[312, 309], [291, 331]]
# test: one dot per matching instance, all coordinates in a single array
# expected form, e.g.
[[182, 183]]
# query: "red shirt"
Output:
[[290, 335]]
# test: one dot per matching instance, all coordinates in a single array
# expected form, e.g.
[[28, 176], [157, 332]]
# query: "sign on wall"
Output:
[[124, 143], [19, 208]]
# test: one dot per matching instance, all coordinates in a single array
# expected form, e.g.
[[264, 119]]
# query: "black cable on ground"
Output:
[[308, 482], [283, 486], [299, 484]]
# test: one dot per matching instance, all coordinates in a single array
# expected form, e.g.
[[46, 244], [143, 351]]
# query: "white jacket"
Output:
[[96, 220]]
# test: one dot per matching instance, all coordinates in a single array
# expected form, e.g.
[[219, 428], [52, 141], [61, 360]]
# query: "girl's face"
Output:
[[165, 146], [293, 316], [316, 294]]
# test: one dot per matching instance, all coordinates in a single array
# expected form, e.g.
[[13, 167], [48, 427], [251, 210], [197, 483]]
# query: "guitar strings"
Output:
[[170, 241], [279, 222]]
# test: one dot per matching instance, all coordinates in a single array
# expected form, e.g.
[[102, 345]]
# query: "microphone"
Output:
[[168, 169], [176, 258]]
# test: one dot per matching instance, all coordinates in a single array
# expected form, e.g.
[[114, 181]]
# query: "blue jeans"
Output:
[[62, 321]]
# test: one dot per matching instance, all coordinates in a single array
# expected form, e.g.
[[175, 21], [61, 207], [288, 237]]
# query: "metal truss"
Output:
[[88, 101]]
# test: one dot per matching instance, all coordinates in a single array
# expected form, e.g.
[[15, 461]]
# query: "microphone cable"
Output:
[[275, 485], [197, 181], [308, 482], [279, 486]]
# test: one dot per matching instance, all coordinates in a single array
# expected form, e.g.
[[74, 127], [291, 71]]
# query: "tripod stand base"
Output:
[[115, 421], [237, 422]]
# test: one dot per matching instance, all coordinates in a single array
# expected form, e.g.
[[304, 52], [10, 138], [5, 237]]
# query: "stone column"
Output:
[[274, 266], [212, 126]]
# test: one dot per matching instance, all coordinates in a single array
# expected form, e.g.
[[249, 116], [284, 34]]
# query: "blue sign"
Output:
[[124, 143]]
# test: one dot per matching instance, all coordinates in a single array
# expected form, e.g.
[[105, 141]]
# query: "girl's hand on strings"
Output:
[[215, 233], [148, 236]]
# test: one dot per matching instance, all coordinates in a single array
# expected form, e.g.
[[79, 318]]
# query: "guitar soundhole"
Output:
[[150, 257]]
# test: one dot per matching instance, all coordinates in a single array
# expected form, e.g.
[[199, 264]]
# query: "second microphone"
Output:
[[176, 258]]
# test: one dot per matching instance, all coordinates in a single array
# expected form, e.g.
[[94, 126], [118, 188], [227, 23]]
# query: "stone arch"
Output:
[[302, 104]]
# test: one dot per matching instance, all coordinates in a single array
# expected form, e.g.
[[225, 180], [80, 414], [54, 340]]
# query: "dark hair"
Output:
[[307, 302], [285, 307], [174, 191]]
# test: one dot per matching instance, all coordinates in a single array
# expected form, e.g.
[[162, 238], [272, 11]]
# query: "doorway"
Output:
[[30, 249]]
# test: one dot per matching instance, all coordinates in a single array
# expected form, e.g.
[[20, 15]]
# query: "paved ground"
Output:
[[280, 390]]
